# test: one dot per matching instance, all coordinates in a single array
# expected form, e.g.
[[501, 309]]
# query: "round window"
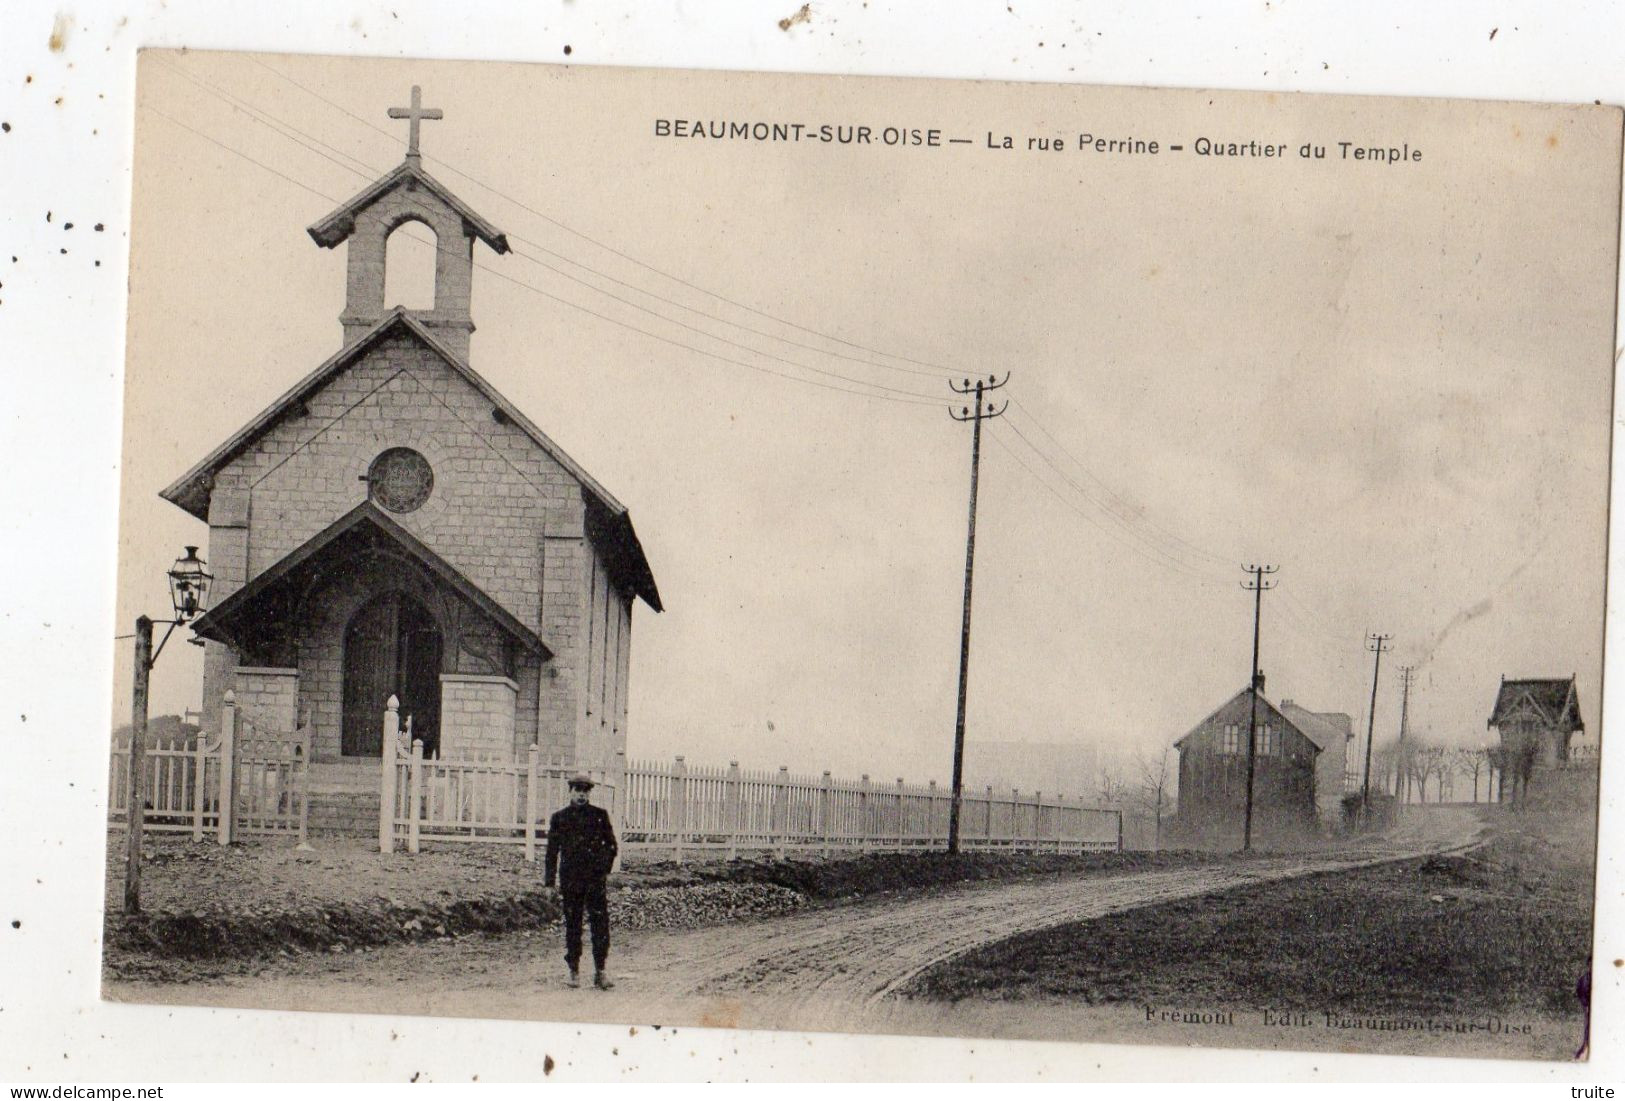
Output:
[[400, 479]]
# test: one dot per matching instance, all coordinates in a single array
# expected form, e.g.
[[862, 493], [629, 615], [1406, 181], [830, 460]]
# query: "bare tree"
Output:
[[1426, 761], [1152, 775], [1115, 788], [1471, 761]]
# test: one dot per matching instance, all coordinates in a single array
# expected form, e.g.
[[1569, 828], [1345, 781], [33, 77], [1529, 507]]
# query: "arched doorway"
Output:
[[391, 648]]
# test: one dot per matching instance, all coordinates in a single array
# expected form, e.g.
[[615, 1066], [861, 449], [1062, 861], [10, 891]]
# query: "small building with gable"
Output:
[[1213, 774], [1535, 720], [393, 526]]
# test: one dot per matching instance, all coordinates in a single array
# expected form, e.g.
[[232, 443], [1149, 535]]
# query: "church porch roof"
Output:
[[275, 595]]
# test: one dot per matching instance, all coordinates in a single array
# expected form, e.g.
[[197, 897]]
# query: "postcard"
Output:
[[912, 557]]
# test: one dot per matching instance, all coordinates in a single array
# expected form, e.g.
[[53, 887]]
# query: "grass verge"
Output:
[[1506, 926]]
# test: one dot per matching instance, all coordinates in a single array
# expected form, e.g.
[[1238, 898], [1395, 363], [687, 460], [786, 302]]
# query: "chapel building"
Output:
[[393, 526]]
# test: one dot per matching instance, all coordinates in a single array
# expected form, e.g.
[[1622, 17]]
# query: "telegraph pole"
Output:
[[1377, 644], [1401, 779], [1256, 586], [135, 792], [976, 415]]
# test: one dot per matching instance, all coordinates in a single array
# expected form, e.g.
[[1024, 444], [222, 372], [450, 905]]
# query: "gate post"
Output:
[[200, 772], [530, 804], [386, 782], [414, 794], [228, 763]]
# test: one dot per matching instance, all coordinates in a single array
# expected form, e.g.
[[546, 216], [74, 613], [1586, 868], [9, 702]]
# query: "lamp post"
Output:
[[188, 593]]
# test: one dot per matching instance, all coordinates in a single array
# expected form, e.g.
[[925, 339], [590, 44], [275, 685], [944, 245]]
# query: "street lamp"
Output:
[[188, 586], [189, 593]]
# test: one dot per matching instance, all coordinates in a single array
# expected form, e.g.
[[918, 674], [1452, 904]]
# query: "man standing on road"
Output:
[[580, 852]]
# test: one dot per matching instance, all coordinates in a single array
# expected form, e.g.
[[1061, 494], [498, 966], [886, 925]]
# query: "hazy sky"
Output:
[[1393, 381]]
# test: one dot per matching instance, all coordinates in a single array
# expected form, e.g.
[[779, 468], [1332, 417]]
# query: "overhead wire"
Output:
[[896, 398], [368, 173], [1131, 523], [930, 369]]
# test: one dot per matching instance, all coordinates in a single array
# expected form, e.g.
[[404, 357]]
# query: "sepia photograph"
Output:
[[892, 556], [1041, 545]]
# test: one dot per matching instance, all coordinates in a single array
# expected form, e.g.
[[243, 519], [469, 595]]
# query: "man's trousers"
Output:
[[588, 897]]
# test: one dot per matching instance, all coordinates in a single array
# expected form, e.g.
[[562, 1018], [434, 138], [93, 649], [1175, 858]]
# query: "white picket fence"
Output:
[[492, 800], [680, 808], [257, 774]]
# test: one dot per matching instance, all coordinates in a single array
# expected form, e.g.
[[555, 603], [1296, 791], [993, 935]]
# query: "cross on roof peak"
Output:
[[415, 114]]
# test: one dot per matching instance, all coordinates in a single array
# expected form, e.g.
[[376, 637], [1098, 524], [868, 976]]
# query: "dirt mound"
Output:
[[883, 873]]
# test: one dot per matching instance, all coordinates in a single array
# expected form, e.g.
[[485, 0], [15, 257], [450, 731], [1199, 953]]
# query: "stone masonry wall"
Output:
[[497, 501], [268, 697], [477, 716]]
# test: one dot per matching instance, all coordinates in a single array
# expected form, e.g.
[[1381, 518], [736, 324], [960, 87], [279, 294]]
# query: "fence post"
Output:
[[1015, 817], [902, 816], [414, 793], [931, 814], [781, 807], [1119, 831], [825, 801], [618, 799], [386, 779], [200, 772], [864, 829], [987, 834], [301, 788], [228, 762], [731, 805], [679, 807], [530, 803]]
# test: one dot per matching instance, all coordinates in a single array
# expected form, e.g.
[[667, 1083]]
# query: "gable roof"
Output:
[[192, 490], [338, 225], [1554, 699], [1327, 729], [1265, 706], [367, 522]]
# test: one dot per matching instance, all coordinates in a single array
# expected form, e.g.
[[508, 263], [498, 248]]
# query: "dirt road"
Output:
[[821, 969]]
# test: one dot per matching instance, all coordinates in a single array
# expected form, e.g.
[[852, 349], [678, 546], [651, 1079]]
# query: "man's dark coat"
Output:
[[580, 846]]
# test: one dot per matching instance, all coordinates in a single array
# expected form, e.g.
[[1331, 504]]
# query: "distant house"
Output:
[[1333, 732], [1213, 773], [1535, 720]]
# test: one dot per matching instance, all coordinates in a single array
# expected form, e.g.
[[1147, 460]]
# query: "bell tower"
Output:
[[409, 194]]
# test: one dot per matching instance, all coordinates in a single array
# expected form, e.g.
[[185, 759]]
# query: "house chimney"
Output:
[[1258, 682]]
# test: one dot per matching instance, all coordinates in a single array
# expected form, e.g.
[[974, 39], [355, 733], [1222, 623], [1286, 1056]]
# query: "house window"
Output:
[[1232, 739], [400, 480], [1266, 740]]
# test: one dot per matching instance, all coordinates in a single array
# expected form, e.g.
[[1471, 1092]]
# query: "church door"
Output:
[[391, 648]]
